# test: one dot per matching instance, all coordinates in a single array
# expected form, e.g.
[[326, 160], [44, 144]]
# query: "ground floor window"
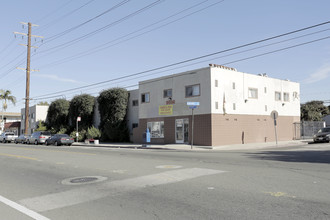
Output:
[[156, 129]]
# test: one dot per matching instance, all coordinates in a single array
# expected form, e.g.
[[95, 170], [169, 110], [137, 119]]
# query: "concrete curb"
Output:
[[253, 146]]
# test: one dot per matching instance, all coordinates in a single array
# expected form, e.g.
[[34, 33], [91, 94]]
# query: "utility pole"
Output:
[[28, 70]]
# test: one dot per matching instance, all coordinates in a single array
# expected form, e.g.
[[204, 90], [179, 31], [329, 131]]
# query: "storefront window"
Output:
[[156, 129]]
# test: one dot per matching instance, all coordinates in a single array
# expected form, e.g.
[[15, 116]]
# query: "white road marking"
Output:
[[168, 167], [22, 209], [97, 191]]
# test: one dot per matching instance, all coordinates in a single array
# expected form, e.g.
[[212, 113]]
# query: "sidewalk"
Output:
[[249, 146]]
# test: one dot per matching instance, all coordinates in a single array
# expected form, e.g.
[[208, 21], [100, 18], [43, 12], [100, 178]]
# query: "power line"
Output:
[[101, 47], [86, 22], [53, 12], [71, 42], [163, 67], [46, 26]]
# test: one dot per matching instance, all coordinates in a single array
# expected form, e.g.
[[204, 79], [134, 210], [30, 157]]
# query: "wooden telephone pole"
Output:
[[28, 70]]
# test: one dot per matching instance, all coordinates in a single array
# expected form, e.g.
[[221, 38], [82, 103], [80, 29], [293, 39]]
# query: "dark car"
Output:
[[323, 135], [60, 139], [22, 139]]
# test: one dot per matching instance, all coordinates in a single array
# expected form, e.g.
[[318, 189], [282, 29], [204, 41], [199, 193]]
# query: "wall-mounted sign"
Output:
[[170, 102], [166, 110]]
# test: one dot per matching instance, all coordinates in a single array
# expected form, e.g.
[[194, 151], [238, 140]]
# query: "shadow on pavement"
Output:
[[294, 156]]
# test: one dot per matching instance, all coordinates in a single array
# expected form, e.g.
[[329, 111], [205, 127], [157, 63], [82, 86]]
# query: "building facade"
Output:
[[6, 120], [36, 113], [234, 107]]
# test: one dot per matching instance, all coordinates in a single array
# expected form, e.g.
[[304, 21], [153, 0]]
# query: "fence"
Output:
[[307, 129]]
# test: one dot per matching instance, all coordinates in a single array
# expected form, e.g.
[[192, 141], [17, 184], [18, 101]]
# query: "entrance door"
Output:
[[181, 131]]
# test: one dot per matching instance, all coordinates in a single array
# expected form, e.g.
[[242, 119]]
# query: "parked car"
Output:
[[323, 135], [60, 139], [39, 137], [22, 139], [7, 137]]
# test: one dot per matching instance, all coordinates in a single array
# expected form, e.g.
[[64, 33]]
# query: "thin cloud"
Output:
[[57, 78], [321, 74]]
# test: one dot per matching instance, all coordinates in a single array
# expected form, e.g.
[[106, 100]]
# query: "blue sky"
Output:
[[169, 31]]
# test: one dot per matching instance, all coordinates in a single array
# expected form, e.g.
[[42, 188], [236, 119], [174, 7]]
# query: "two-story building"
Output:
[[234, 107], [36, 113]]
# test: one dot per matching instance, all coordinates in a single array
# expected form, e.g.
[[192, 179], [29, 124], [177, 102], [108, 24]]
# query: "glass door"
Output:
[[179, 131]]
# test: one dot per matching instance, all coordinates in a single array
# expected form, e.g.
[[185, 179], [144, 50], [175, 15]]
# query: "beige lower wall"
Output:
[[219, 129], [239, 129]]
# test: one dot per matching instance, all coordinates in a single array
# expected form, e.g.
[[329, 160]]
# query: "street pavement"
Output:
[[284, 181]]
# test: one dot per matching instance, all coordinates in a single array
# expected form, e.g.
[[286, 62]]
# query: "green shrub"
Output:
[[93, 133], [81, 137]]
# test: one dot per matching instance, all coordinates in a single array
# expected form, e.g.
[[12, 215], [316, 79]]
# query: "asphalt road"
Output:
[[48, 182]]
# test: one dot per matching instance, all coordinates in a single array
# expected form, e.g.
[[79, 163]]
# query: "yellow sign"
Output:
[[166, 110]]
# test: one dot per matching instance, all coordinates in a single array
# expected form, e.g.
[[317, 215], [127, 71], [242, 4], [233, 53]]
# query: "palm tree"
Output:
[[5, 95]]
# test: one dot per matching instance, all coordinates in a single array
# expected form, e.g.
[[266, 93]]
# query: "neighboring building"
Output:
[[234, 108], [36, 113], [13, 127], [327, 120], [133, 111], [8, 117]]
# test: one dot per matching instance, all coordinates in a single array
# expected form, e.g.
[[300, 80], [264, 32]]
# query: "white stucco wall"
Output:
[[39, 113], [177, 83], [250, 106], [133, 111]]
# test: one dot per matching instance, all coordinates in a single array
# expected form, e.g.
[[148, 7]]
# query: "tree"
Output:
[[57, 116], [5, 95], [83, 106], [113, 108], [41, 126], [313, 111], [43, 103]]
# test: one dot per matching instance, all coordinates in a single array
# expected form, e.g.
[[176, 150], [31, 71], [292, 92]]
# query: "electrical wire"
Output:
[[163, 67], [102, 46], [71, 42], [46, 26], [53, 12], [56, 36]]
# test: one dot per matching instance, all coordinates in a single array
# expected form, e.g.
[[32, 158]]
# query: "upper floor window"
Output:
[[234, 85], [168, 93], [135, 102], [278, 96], [193, 90], [216, 83], [286, 97], [145, 98], [253, 93]]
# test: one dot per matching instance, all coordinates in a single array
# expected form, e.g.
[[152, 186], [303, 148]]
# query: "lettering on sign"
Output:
[[166, 110], [170, 102]]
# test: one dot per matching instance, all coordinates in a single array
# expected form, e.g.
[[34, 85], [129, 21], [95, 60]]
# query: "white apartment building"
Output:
[[36, 113], [234, 107]]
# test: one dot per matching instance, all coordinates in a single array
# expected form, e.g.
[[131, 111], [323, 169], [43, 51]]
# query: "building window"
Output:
[[193, 90], [216, 83], [266, 108], [253, 93], [145, 98], [135, 125], [168, 93], [135, 102], [265, 89], [278, 96], [156, 129], [216, 105], [286, 97], [234, 85], [234, 106]]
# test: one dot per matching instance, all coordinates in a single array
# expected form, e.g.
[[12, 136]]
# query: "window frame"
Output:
[[288, 96], [144, 94], [199, 90], [167, 96], [276, 99], [156, 133], [136, 101], [253, 89]]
